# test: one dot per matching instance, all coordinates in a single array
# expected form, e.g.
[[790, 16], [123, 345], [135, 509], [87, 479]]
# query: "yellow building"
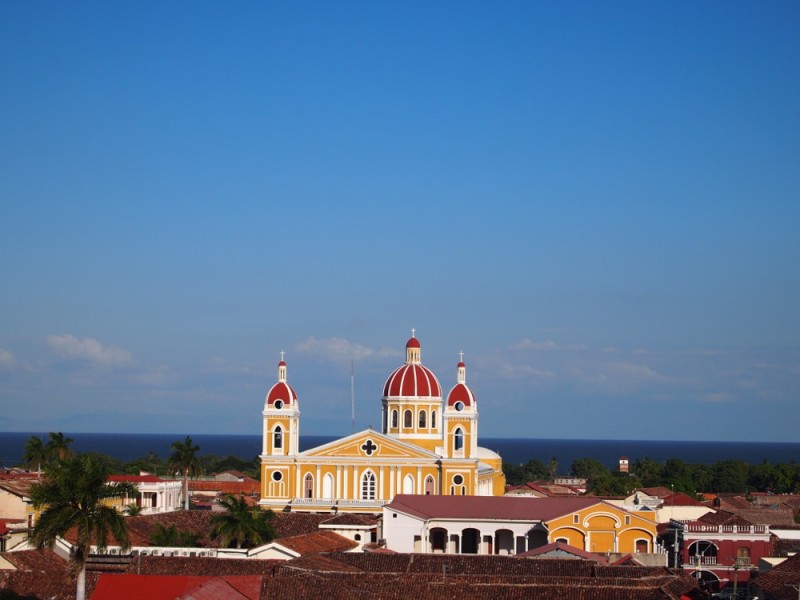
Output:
[[428, 444], [515, 525]]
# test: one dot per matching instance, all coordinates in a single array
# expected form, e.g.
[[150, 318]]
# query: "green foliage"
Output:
[[240, 525], [589, 468], [58, 446], [533, 470], [38, 454], [172, 537], [74, 494]]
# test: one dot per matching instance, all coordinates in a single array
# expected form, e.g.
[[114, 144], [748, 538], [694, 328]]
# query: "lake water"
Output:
[[127, 446]]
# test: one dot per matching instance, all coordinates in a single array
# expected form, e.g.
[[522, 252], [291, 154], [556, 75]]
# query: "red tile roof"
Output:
[[317, 542], [561, 547], [177, 587], [512, 508]]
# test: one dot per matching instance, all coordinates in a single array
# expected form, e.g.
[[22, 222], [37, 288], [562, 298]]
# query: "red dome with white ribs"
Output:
[[281, 391], [412, 380], [461, 392]]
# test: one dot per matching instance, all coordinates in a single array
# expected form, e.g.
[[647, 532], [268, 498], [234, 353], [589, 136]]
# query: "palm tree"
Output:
[[242, 525], [184, 460], [36, 453], [172, 537], [74, 494], [58, 446]]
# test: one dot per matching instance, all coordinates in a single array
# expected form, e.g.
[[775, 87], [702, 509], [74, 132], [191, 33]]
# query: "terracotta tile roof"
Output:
[[563, 548], [36, 561], [197, 565], [294, 523], [40, 574], [723, 517], [767, 516], [17, 487], [657, 492], [351, 519], [513, 508], [225, 487], [317, 542], [778, 583]]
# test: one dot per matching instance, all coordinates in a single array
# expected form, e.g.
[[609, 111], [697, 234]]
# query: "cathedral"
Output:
[[428, 444]]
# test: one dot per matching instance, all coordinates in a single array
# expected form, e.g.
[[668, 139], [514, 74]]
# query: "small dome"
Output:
[[461, 393], [281, 391], [412, 342]]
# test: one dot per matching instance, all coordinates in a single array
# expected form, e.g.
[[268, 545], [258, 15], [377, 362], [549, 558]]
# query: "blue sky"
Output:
[[596, 202]]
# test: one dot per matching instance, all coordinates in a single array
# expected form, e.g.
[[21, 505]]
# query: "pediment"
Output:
[[368, 444]]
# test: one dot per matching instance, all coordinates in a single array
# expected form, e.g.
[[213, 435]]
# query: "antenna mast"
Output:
[[353, 394]]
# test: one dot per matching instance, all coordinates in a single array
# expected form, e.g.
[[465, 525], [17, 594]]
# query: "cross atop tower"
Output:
[[413, 332], [282, 353], [461, 356]]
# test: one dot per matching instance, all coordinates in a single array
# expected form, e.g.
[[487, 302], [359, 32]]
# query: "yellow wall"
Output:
[[603, 528]]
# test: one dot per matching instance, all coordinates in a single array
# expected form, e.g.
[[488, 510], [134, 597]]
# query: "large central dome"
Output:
[[412, 380]]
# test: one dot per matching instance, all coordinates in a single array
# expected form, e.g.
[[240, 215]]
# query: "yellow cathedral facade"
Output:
[[428, 444]]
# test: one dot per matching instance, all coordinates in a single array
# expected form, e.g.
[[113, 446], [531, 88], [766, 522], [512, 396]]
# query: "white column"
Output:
[[381, 477], [419, 489], [317, 485], [391, 481], [344, 483]]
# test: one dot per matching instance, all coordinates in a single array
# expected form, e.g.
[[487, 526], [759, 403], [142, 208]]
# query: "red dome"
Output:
[[281, 391], [412, 343], [412, 380], [461, 393]]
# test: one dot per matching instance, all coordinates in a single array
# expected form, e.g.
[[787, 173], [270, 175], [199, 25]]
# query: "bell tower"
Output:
[[461, 418], [281, 414]]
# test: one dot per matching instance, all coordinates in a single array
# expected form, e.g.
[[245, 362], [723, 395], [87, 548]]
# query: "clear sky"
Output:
[[597, 202]]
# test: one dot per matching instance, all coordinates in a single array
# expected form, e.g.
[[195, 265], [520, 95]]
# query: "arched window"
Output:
[[394, 419], [408, 484], [408, 419], [277, 438], [458, 439], [422, 419], [309, 485], [327, 486], [368, 485], [433, 419], [429, 486]]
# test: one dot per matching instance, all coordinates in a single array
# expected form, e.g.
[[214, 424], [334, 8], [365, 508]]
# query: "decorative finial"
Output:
[[461, 356], [282, 353], [413, 331]]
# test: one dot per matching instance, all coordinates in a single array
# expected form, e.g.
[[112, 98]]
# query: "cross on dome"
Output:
[[461, 356], [282, 353], [413, 332]]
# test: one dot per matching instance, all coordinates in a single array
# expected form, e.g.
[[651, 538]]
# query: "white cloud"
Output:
[[716, 397], [6, 359], [526, 344], [88, 349], [338, 349]]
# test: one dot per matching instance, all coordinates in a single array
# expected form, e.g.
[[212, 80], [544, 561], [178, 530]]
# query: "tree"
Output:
[[588, 468], [74, 493], [172, 537], [241, 525], [36, 453], [184, 460], [58, 446]]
